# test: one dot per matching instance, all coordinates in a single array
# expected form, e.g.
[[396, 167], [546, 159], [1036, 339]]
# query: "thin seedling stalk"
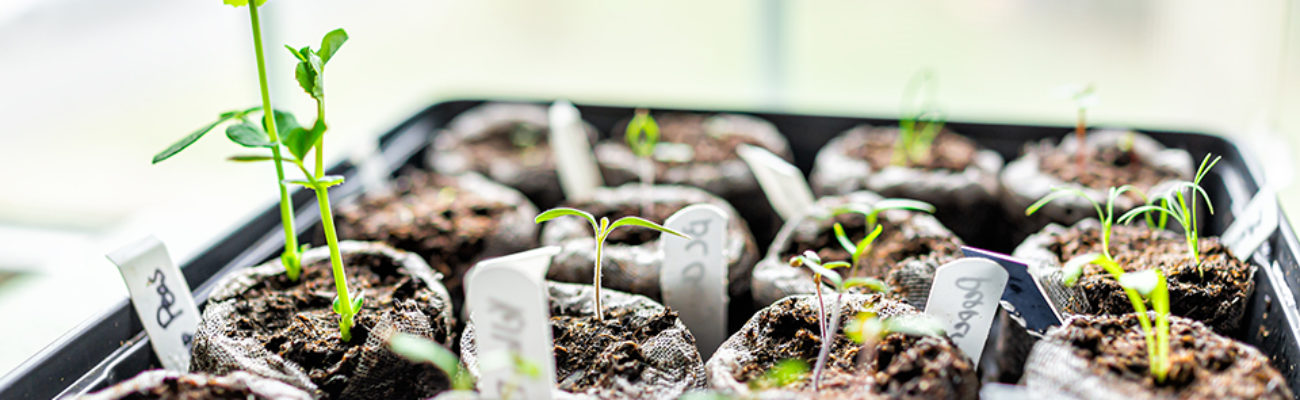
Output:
[[291, 260]]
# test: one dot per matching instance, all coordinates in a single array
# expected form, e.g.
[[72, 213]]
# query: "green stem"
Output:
[[336, 261], [600, 248], [290, 258], [320, 143]]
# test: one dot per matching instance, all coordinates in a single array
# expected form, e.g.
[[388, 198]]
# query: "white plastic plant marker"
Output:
[[783, 183], [965, 297], [507, 301], [161, 298], [1253, 225], [574, 161], [693, 277]]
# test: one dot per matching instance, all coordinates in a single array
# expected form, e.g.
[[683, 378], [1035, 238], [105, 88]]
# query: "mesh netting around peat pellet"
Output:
[[172, 384], [669, 363], [418, 304]]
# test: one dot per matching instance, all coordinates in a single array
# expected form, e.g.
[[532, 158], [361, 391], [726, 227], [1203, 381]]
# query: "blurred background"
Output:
[[91, 90]]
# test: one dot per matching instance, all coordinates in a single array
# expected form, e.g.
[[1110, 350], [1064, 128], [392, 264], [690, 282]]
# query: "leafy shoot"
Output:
[[642, 136], [1147, 284], [782, 374], [871, 212], [921, 121], [829, 327], [1178, 204], [421, 350], [1105, 214]]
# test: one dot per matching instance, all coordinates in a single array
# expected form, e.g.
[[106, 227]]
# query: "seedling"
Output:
[[1105, 214], [1149, 284], [642, 136], [1084, 97], [602, 229], [782, 374], [872, 213], [421, 350], [830, 327], [869, 329], [1175, 204], [921, 124], [254, 139]]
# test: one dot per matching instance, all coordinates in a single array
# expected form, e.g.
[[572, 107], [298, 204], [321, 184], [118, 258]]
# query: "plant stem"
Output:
[[827, 340], [821, 307], [1080, 134], [320, 143], [600, 248], [336, 261], [292, 266]]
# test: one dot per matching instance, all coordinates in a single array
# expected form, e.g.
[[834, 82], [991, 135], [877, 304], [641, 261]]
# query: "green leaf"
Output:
[[914, 325], [864, 326], [1073, 269], [1143, 282], [644, 223], [866, 242], [247, 135], [836, 280], [189, 139], [874, 284], [300, 182], [1062, 191], [256, 158], [421, 350], [904, 204], [330, 180], [843, 238], [563, 211], [330, 44], [295, 53], [284, 122], [361, 294], [786, 372], [642, 134], [299, 141], [241, 3]]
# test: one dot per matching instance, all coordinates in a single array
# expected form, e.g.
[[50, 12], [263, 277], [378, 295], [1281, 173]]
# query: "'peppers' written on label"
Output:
[[694, 273], [965, 296], [161, 298], [507, 301]]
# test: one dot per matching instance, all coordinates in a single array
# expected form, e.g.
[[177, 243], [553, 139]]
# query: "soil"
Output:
[[591, 353], [895, 245], [1103, 168], [1214, 293], [521, 141], [630, 236], [693, 129], [903, 367], [1203, 365], [429, 215], [296, 321], [178, 388], [949, 151]]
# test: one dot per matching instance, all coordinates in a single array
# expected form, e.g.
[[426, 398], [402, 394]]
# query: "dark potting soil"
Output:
[[904, 367], [525, 143], [591, 353], [693, 129], [949, 151], [634, 235], [897, 243], [296, 320], [1215, 292], [177, 388], [427, 214], [1202, 364], [1103, 168]]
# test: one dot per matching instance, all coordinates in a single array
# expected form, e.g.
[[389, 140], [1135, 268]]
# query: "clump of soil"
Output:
[[634, 236], [522, 141], [949, 151], [1203, 364], [296, 321], [430, 215], [902, 366], [591, 353], [709, 145], [1103, 168], [1214, 292]]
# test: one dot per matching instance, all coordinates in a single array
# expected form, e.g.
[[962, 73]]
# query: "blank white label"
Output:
[[1253, 225], [161, 298], [965, 297], [579, 175], [784, 184], [694, 274], [507, 301]]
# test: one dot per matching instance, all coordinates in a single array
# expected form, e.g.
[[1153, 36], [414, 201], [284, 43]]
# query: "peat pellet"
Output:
[[903, 366], [1114, 158], [912, 245], [163, 384], [640, 351], [958, 177], [507, 142], [1216, 292], [699, 150], [1105, 357], [259, 321]]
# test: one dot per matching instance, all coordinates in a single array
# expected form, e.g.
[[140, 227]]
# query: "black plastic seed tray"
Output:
[[112, 346]]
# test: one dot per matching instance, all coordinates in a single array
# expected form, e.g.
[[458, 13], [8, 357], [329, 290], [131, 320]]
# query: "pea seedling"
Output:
[[601, 230], [830, 327], [1084, 96], [1149, 284], [869, 329], [872, 213], [254, 139], [913, 145], [1175, 204], [421, 350], [642, 136]]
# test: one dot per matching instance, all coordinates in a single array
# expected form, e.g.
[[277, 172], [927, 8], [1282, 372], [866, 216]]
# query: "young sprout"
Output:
[[1147, 284], [829, 327], [1084, 96], [421, 350], [1175, 204], [602, 229], [642, 136], [255, 139], [869, 329], [782, 374], [913, 146], [871, 212], [1105, 214]]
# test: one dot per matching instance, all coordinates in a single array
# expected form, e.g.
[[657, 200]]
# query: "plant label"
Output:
[[694, 273], [965, 296], [161, 298], [1023, 292], [1253, 225], [783, 183], [579, 175], [507, 302]]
